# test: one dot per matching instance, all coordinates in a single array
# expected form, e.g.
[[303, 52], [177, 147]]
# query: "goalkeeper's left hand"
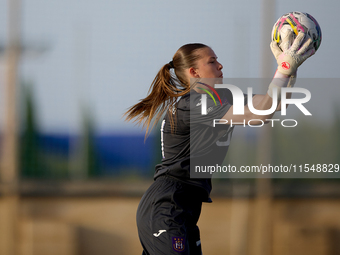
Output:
[[290, 58]]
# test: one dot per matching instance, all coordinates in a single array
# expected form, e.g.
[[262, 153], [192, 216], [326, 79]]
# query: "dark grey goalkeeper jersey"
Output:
[[195, 141]]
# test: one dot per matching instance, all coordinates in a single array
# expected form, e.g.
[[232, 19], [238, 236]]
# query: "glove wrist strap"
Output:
[[279, 81]]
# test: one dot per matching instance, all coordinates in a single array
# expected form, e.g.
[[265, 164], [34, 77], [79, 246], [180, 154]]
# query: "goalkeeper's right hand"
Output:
[[290, 58]]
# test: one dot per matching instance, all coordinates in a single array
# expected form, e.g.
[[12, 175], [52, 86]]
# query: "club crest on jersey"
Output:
[[178, 244]]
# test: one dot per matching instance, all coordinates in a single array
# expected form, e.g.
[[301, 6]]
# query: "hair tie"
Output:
[[171, 64]]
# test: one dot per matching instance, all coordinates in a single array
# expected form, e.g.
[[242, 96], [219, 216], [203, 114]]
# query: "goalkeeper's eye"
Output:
[[212, 60]]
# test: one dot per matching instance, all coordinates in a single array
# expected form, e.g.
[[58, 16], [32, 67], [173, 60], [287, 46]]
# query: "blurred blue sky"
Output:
[[104, 54]]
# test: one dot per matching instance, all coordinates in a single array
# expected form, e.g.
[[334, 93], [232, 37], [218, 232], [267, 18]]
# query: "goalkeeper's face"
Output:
[[208, 67]]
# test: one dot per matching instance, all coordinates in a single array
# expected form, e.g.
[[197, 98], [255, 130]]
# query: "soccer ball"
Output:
[[294, 22]]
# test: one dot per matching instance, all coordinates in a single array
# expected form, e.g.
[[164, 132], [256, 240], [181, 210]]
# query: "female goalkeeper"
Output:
[[169, 210]]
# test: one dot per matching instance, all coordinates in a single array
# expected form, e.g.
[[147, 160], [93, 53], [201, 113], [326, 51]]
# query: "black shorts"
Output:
[[167, 216]]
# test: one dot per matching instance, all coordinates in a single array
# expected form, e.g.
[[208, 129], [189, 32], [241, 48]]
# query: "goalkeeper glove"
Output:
[[290, 58]]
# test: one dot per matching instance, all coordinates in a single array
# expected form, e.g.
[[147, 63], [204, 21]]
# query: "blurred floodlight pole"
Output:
[[12, 54], [9, 168], [262, 231]]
